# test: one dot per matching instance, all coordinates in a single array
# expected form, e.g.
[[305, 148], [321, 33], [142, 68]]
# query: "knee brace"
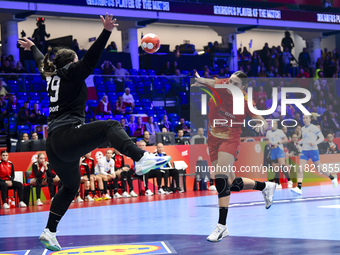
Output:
[[222, 185], [237, 184]]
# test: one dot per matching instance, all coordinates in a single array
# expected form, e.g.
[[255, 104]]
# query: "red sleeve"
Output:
[[222, 81], [100, 107]]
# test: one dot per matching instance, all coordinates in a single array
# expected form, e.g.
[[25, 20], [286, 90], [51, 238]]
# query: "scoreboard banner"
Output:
[[205, 9]]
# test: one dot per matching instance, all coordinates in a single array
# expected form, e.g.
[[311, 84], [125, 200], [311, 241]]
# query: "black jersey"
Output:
[[67, 90]]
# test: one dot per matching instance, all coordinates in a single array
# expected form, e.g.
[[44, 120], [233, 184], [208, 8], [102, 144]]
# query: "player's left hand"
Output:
[[311, 144], [108, 22], [26, 44]]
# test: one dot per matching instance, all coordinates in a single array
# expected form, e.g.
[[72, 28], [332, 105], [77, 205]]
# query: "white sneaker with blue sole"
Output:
[[149, 162], [49, 239]]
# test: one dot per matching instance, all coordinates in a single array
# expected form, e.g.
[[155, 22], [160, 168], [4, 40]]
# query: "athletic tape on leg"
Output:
[[222, 185]]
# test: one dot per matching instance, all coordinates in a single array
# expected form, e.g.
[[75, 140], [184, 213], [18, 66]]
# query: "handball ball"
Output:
[[150, 43]]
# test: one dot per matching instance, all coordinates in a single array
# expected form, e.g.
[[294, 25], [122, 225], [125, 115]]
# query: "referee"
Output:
[[68, 137]]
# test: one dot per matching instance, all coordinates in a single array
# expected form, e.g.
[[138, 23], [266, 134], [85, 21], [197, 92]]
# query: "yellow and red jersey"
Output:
[[225, 111]]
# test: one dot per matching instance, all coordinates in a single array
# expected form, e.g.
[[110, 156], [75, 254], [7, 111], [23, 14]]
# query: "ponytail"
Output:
[[47, 68], [314, 116], [62, 58]]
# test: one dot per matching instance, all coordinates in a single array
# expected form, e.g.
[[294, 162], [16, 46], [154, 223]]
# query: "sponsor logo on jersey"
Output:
[[54, 109]]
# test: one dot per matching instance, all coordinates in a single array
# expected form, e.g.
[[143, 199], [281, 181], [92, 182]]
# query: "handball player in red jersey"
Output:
[[224, 145]]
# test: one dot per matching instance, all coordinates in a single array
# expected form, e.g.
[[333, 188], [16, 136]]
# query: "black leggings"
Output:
[[65, 145], [15, 185], [175, 176], [38, 186], [152, 174], [126, 177]]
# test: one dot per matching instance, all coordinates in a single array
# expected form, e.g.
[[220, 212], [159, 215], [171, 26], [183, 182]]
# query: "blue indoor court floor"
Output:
[[309, 224]]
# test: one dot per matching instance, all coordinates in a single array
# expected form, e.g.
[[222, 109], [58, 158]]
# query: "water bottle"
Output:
[[12, 203]]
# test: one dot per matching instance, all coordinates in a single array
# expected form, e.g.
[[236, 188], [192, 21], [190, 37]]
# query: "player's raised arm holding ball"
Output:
[[68, 137]]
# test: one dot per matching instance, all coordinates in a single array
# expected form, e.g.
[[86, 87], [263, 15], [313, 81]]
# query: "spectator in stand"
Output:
[[112, 47], [128, 99], [120, 74], [132, 124], [104, 106], [166, 70], [324, 54], [3, 59], [34, 136], [227, 73], [42, 174], [24, 114], [286, 58], [151, 126], [200, 134], [146, 137], [166, 123], [285, 131], [3, 91], [120, 106], [303, 82], [321, 108], [124, 126], [336, 105], [328, 67], [24, 137], [140, 128], [7, 176], [124, 173], [246, 57], [271, 72], [287, 42], [107, 68], [319, 62], [221, 73], [332, 147], [265, 55], [294, 147], [170, 171], [19, 68], [298, 132], [248, 71], [328, 111], [13, 106], [239, 58], [75, 45], [164, 130], [274, 58], [297, 118], [334, 122], [183, 126], [89, 114], [174, 67], [12, 63], [154, 173], [37, 117], [255, 63], [268, 89], [3, 112], [206, 74], [304, 58], [260, 98], [176, 52], [5, 68], [262, 73], [325, 126]]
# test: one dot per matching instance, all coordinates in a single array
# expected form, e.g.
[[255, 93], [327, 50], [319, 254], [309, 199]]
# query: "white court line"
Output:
[[330, 206], [44, 253], [166, 247], [27, 252]]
